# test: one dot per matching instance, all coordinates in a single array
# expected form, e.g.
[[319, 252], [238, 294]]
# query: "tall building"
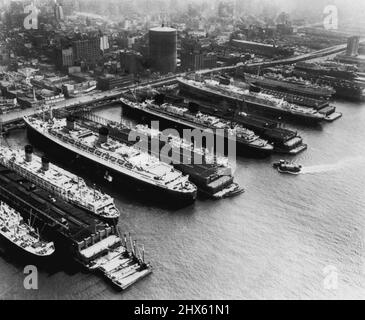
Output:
[[131, 61], [192, 61], [104, 43], [353, 44], [64, 58], [87, 50], [58, 12], [163, 49]]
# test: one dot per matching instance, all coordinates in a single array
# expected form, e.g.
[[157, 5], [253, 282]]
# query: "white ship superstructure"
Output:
[[14, 229], [299, 85], [58, 181]]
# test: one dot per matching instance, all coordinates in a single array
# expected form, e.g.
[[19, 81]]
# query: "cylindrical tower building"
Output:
[[163, 49]]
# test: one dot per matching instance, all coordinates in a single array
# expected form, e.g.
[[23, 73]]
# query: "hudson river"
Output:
[[287, 237]]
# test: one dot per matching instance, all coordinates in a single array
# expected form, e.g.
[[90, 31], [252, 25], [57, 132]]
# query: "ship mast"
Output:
[[125, 241], [131, 243]]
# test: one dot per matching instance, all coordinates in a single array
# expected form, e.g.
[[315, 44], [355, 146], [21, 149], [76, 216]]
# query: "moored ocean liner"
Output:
[[290, 84], [283, 140], [255, 101], [58, 181], [210, 172], [15, 230], [343, 78], [120, 163], [246, 139], [219, 184]]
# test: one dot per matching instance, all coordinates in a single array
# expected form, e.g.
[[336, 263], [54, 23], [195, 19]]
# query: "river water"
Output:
[[290, 237]]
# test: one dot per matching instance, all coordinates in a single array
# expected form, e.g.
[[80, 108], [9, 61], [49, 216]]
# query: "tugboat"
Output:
[[284, 166]]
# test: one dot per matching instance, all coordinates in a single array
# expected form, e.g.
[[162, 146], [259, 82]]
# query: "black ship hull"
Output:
[[243, 148], [107, 176]]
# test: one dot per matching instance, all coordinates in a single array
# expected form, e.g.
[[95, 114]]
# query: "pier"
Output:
[[86, 238]]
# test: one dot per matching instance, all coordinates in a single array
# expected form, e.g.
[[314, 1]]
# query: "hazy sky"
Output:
[[348, 9]]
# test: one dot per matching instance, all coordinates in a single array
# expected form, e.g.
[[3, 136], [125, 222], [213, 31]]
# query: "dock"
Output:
[[74, 231]]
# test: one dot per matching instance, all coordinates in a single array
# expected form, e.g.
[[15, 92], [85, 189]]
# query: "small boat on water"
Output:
[[284, 166]]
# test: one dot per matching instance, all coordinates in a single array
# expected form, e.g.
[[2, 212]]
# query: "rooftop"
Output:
[[163, 29]]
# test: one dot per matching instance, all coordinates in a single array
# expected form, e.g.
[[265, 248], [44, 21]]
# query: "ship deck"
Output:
[[316, 104]]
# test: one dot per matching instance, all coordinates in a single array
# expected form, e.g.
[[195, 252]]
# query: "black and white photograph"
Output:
[[209, 151]]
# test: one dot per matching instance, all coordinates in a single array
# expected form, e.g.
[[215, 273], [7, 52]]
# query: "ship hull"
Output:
[[243, 149], [289, 87], [251, 107], [107, 176], [15, 251]]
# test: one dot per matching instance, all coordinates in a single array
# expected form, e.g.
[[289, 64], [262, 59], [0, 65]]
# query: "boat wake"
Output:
[[333, 167]]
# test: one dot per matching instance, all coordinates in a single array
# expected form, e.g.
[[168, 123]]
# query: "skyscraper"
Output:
[[58, 12], [87, 50]]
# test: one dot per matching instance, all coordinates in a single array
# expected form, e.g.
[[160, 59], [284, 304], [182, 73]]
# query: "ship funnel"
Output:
[[254, 88], [45, 163], [28, 153], [70, 123], [103, 135]]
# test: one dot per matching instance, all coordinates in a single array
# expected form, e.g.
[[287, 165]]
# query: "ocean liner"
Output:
[[58, 181], [283, 140], [246, 139], [330, 69], [256, 102], [211, 172], [290, 84], [120, 163], [15, 230], [343, 78], [216, 185]]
